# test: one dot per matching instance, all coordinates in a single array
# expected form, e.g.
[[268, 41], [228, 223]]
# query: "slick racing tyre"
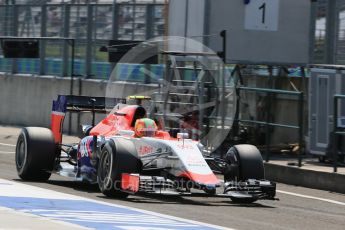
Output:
[[35, 154], [244, 162], [117, 157]]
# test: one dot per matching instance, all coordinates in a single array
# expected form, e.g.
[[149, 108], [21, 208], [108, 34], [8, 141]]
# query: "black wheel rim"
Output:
[[105, 170], [21, 153]]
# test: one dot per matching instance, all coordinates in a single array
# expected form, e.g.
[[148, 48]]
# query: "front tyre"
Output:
[[115, 159], [244, 162], [35, 153]]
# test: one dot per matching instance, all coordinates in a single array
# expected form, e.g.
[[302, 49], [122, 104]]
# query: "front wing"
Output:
[[253, 189]]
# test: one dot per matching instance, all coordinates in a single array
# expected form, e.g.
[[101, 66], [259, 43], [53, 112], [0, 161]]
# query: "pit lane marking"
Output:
[[4, 144], [312, 197], [40, 218], [88, 212], [108, 217], [308, 197]]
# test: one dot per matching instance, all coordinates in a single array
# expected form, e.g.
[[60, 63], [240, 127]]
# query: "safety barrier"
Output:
[[268, 123]]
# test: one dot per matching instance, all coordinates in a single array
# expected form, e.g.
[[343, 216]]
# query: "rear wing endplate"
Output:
[[71, 103]]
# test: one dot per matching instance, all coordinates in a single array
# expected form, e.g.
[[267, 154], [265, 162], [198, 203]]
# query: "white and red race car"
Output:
[[124, 162]]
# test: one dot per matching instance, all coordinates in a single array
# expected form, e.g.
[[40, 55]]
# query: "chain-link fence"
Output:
[[91, 24]]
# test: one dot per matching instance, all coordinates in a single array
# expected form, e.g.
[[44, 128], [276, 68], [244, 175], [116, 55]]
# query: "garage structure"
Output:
[[259, 32]]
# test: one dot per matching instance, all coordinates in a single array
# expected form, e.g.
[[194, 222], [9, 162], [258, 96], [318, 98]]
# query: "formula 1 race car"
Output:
[[126, 153]]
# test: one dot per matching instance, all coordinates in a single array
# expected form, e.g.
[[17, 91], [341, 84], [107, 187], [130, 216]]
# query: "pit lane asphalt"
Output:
[[311, 211]]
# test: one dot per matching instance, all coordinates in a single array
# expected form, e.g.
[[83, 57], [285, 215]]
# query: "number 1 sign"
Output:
[[262, 15], [275, 32]]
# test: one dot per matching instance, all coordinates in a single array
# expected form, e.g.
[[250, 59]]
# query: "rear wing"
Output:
[[71, 103]]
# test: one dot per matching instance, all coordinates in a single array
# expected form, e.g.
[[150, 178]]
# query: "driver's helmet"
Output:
[[145, 127]]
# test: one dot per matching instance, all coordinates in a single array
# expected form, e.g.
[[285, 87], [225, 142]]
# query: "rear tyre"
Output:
[[116, 158], [244, 162], [35, 154]]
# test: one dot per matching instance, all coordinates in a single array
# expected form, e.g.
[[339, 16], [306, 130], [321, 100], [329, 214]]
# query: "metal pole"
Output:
[[133, 18], [186, 25], [115, 21], [149, 21], [166, 20], [88, 59], [302, 98], [223, 104], [71, 83], [115, 25], [300, 129], [72, 64], [268, 114], [312, 27], [14, 33], [7, 22], [331, 23], [207, 15], [236, 73], [223, 34], [265, 90], [66, 30], [335, 136], [42, 42]]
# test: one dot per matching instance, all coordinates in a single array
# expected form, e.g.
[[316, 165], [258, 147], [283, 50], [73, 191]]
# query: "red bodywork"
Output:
[[56, 126], [123, 119]]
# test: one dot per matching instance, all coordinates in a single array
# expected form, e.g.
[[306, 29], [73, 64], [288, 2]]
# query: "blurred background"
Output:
[[91, 23]]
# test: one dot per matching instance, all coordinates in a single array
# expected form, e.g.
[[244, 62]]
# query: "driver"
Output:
[[145, 127]]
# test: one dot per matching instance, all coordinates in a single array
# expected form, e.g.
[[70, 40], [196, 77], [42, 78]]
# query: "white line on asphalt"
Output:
[[15, 189], [4, 144], [5, 152], [308, 197], [312, 197], [20, 216]]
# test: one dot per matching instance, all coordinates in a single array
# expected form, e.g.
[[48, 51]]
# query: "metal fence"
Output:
[[268, 122], [329, 44], [92, 25], [340, 34]]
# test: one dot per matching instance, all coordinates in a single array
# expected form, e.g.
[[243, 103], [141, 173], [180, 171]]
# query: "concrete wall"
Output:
[[333, 182], [27, 100]]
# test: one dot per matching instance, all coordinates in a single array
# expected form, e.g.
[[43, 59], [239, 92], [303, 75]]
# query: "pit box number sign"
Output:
[[262, 15]]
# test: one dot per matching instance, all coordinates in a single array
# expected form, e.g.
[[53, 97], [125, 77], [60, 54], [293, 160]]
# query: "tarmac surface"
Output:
[[298, 208]]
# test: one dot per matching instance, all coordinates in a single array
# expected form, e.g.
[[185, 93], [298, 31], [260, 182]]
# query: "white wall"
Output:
[[27, 100]]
